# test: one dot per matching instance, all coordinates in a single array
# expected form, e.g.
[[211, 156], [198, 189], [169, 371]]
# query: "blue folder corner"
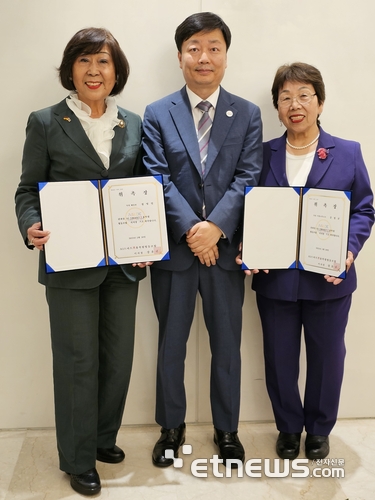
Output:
[[49, 269], [166, 256], [159, 178]]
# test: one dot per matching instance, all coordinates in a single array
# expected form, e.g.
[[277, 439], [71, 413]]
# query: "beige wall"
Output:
[[336, 36]]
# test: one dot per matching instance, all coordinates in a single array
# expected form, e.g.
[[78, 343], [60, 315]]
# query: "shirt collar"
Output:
[[195, 99]]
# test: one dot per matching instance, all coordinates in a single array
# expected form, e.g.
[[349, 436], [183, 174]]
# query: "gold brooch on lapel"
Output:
[[121, 124], [67, 119]]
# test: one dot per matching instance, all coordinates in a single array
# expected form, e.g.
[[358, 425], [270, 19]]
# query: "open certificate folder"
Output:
[[105, 222], [293, 227]]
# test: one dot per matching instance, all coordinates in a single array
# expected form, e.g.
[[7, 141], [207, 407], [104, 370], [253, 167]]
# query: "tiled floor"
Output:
[[29, 470]]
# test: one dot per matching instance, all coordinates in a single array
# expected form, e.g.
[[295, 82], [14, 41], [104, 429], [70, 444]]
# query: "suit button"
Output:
[[104, 173], [200, 185]]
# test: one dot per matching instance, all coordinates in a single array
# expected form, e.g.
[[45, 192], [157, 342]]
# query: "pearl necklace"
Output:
[[303, 147]]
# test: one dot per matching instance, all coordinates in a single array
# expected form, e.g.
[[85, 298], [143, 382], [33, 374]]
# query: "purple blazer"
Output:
[[343, 169]]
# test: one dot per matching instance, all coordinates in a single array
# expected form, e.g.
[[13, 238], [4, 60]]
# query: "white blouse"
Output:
[[99, 130], [298, 168]]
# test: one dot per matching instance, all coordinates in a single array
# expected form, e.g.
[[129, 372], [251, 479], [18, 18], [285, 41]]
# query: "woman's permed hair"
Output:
[[298, 72]]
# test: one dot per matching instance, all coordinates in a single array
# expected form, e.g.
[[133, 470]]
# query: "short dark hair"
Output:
[[201, 22], [91, 41], [298, 72]]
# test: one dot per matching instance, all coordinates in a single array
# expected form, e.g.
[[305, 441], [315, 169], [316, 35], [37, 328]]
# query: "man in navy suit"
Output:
[[204, 196]]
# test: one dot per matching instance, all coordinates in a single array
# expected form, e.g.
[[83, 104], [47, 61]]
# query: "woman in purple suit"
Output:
[[291, 299]]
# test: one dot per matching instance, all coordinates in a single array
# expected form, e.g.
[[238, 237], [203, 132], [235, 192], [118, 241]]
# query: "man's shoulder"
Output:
[[234, 99], [167, 100]]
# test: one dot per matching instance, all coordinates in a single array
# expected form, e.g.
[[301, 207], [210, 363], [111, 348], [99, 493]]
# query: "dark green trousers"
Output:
[[92, 334]]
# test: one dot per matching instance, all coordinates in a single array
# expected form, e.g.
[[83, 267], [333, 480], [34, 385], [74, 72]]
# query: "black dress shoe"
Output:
[[230, 447], [170, 439], [87, 483], [113, 455], [316, 447], [287, 445]]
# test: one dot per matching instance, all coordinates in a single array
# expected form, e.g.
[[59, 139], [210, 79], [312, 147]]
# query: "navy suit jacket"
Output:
[[234, 161], [58, 149], [343, 169]]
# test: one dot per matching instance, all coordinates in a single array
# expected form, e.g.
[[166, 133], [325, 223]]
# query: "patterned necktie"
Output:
[[204, 130]]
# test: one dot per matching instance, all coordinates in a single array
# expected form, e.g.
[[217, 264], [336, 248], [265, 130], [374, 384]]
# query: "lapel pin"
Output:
[[67, 119], [229, 113], [121, 124]]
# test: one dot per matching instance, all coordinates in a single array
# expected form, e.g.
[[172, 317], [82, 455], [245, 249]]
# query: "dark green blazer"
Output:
[[58, 149]]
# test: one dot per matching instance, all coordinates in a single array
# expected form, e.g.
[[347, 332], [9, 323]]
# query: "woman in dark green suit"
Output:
[[92, 311]]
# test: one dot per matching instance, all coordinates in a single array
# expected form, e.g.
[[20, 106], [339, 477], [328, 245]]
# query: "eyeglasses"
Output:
[[286, 100]]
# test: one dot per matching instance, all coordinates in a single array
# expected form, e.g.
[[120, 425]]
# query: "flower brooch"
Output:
[[322, 153]]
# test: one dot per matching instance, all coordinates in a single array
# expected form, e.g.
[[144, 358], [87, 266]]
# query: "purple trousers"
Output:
[[323, 324]]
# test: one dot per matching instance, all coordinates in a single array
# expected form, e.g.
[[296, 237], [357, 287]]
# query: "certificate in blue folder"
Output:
[[103, 222], [296, 228]]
